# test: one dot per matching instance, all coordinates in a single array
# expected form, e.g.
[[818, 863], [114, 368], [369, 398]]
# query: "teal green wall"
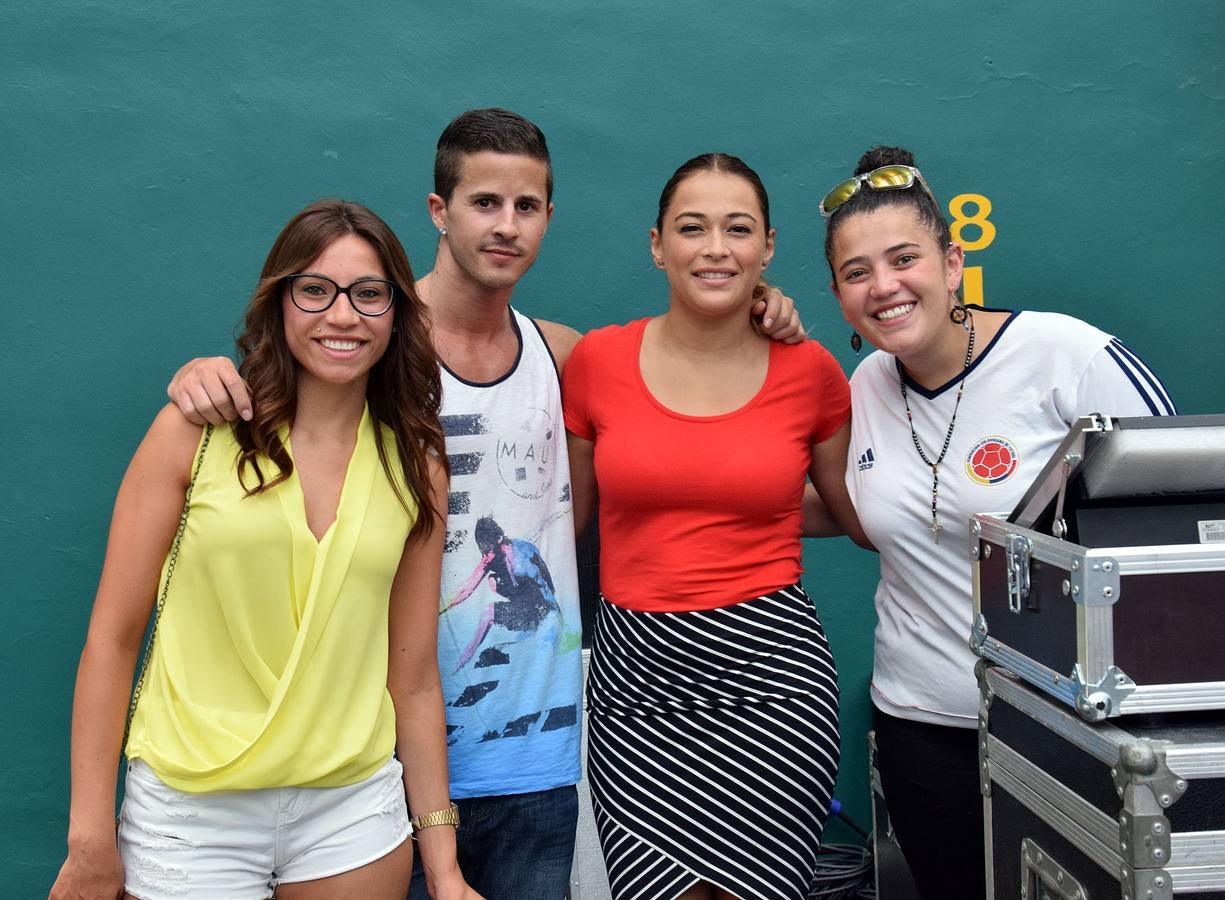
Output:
[[152, 150]]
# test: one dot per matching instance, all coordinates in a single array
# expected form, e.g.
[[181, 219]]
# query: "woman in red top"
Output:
[[713, 697]]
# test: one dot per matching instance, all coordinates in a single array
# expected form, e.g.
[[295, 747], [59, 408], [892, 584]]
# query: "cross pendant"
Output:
[[935, 528]]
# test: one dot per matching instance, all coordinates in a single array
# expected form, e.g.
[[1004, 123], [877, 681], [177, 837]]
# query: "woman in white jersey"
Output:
[[956, 415]]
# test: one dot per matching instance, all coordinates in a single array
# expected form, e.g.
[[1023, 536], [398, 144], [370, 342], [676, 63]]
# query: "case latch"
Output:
[[1016, 554]]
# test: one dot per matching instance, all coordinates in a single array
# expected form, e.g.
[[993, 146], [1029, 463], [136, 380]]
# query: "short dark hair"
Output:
[[867, 200], [495, 129], [714, 162]]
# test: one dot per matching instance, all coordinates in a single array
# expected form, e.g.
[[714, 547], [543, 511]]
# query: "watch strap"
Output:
[[448, 816]]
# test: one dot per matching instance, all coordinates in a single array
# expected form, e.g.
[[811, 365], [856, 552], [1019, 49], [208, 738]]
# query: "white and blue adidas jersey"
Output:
[[1040, 373]]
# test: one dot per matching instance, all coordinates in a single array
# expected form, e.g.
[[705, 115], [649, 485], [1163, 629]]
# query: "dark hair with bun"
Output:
[[867, 200], [714, 162]]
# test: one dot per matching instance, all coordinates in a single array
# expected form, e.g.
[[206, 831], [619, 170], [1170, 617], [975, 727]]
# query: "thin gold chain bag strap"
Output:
[[161, 599]]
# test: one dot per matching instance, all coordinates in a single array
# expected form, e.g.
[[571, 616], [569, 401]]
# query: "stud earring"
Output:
[[856, 342], [659, 262], [442, 232]]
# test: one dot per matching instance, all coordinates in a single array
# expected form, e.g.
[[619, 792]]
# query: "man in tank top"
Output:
[[512, 682], [514, 699]]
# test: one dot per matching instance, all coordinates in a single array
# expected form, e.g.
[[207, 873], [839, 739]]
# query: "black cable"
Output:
[[844, 872]]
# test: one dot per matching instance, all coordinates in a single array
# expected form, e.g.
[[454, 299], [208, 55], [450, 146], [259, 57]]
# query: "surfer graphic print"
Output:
[[509, 630]]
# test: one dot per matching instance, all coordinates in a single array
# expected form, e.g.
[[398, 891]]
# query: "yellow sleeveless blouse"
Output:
[[270, 666]]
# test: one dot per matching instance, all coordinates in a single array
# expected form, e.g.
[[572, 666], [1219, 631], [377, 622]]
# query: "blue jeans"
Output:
[[515, 847]]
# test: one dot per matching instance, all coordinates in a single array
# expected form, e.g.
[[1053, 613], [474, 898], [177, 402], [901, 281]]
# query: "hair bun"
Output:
[[884, 156]]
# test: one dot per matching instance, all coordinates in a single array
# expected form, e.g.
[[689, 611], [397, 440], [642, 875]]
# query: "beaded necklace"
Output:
[[935, 527]]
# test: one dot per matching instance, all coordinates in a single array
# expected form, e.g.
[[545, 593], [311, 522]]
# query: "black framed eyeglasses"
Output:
[[316, 293]]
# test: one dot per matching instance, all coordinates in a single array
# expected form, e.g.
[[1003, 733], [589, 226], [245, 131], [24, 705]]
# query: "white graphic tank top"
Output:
[[510, 634]]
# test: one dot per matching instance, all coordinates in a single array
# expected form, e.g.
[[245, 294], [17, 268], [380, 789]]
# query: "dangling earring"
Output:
[[856, 342], [958, 314], [442, 232]]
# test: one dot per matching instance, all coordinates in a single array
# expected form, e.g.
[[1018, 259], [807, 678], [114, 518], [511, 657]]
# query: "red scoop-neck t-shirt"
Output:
[[699, 512]]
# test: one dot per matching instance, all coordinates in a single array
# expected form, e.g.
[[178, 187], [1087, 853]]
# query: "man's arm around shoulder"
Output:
[[210, 390]]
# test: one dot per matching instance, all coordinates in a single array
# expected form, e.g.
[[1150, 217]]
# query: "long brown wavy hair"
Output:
[[404, 390]]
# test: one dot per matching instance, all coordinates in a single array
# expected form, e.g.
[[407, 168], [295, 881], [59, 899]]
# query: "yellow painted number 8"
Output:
[[986, 229], [972, 276]]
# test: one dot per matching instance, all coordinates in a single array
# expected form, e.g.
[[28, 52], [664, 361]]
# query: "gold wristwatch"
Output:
[[448, 816]]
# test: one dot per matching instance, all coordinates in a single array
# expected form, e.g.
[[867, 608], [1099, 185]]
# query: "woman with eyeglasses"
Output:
[[712, 696], [296, 606], [956, 415]]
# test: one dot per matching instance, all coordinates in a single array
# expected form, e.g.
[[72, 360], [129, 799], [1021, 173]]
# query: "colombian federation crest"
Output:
[[992, 460]]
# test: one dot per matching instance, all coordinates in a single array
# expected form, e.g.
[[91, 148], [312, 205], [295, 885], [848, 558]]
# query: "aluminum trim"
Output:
[[1082, 840], [1202, 761], [994, 528], [1095, 640], [1162, 559], [989, 846], [976, 578], [1189, 869], [1173, 697], [1196, 878], [1061, 799], [1197, 848], [1101, 741], [1059, 686], [1146, 698], [1155, 559]]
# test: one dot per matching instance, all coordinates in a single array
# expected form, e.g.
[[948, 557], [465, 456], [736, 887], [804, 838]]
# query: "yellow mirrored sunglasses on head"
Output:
[[886, 178]]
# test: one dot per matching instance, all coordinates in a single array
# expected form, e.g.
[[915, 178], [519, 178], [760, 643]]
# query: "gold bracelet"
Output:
[[448, 816]]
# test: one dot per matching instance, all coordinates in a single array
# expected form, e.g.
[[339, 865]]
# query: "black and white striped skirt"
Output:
[[713, 747]]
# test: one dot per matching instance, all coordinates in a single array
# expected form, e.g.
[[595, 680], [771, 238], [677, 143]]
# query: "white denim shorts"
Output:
[[242, 844]]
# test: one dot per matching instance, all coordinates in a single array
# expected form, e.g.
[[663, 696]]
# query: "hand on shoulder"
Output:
[[210, 389], [775, 315]]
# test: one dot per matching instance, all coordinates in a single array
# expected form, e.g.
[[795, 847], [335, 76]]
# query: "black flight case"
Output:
[[1128, 808], [1105, 587]]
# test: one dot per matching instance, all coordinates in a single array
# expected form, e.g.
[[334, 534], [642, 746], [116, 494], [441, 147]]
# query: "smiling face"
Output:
[[339, 346], [894, 282], [495, 219], [713, 243]]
